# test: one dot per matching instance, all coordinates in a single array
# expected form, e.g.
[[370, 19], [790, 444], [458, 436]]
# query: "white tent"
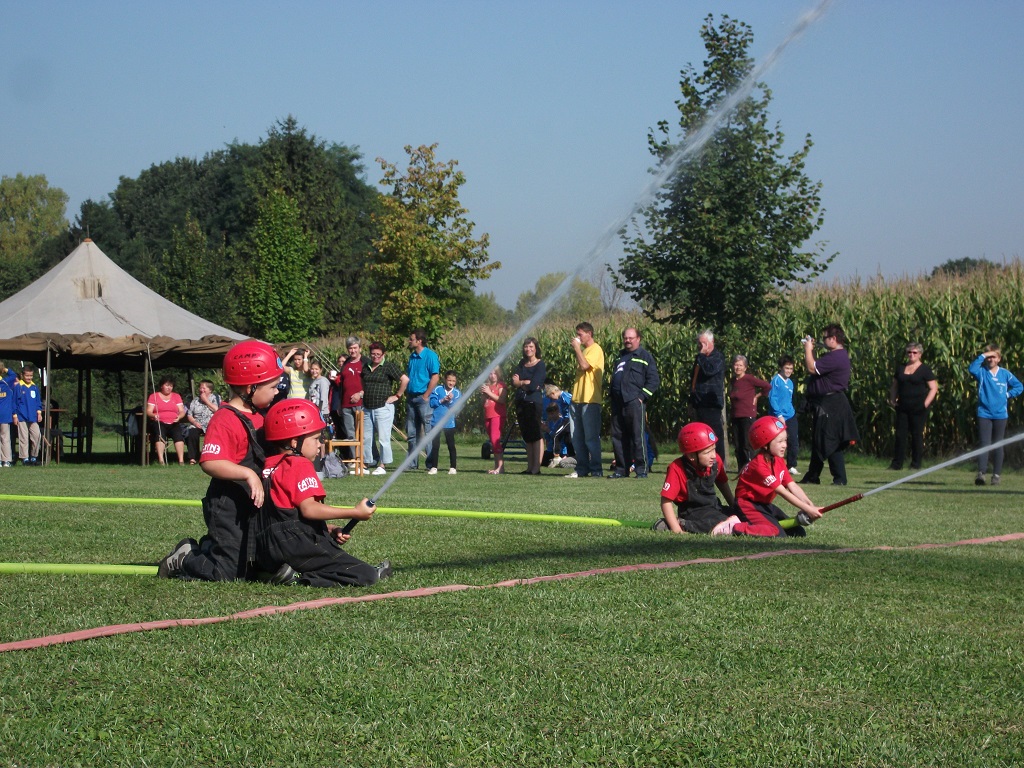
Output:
[[88, 313]]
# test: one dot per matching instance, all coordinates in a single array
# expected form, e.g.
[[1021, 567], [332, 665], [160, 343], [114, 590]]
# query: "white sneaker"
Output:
[[572, 475], [432, 471], [794, 471], [452, 471], [379, 471]]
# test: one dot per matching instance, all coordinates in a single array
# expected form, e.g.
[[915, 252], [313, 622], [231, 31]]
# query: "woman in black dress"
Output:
[[528, 382], [912, 393]]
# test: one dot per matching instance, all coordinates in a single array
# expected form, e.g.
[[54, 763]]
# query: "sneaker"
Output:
[[379, 471], [432, 471], [5, 463], [980, 479], [170, 566], [616, 476], [794, 471], [641, 475], [661, 525], [384, 570], [572, 475], [995, 480], [555, 462], [453, 471], [285, 575]]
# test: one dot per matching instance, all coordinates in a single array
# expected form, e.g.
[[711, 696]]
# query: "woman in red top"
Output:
[[495, 413], [743, 394], [166, 412]]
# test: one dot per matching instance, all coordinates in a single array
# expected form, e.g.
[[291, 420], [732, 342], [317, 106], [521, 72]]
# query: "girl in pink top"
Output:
[[495, 413], [166, 412]]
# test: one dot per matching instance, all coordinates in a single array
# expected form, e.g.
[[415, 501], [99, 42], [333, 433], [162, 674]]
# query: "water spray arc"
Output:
[[692, 144]]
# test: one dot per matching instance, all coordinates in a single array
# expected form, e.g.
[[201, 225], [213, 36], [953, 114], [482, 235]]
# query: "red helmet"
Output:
[[251, 362], [695, 437], [290, 418], [764, 430]]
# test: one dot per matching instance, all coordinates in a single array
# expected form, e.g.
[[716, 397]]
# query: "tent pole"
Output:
[[124, 421], [81, 414], [144, 430], [90, 422]]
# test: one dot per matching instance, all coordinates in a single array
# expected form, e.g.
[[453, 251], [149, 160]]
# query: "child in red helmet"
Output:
[[233, 457], [766, 476], [295, 544], [690, 484]]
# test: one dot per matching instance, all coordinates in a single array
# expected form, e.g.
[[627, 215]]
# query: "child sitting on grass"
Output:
[[764, 477], [295, 544], [690, 483]]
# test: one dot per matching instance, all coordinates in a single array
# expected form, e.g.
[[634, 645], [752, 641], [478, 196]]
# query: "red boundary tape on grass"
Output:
[[271, 610]]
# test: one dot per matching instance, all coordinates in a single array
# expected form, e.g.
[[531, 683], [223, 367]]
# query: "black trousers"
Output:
[[628, 420], [314, 554], [909, 425], [449, 438]]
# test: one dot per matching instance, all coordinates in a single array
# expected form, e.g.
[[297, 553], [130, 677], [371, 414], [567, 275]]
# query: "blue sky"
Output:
[[916, 107]]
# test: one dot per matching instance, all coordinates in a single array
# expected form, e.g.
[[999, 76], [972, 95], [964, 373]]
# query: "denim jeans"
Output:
[[379, 428], [587, 440], [417, 424]]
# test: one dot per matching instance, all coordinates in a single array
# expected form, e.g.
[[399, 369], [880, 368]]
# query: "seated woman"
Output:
[[166, 412], [198, 415]]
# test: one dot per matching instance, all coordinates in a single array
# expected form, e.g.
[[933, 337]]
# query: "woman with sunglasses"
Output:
[[914, 389]]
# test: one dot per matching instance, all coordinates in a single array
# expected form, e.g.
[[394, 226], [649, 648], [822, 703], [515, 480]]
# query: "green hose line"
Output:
[[79, 568], [521, 516]]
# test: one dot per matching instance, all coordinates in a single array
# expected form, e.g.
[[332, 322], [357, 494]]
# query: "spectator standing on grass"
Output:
[[634, 380], [350, 392], [442, 400], [424, 372], [28, 413], [996, 386], [707, 387], [528, 381], [833, 427], [780, 403], [744, 392], [586, 402], [198, 416], [495, 415], [912, 393], [8, 396], [379, 398]]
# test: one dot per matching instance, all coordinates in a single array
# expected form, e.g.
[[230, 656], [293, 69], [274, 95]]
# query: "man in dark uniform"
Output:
[[707, 387], [634, 379]]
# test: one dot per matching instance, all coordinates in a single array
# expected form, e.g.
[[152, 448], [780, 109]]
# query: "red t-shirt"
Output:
[[293, 481], [761, 478], [351, 375], [226, 438], [674, 488], [166, 410], [497, 407]]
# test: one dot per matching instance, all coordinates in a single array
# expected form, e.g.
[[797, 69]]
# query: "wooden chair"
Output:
[[358, 466]]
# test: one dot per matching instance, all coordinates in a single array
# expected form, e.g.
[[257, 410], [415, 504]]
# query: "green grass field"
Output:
[[877, 657]]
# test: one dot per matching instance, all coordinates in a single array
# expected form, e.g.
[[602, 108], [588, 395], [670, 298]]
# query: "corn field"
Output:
[[953, 317]]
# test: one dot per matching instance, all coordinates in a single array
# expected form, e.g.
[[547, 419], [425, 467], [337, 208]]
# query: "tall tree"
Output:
[[196, 276], [31, 214], [278, 286], [427, 258], [581, 302], [724, 233]]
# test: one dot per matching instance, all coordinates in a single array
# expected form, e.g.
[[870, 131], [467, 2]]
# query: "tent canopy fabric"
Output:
[[90, 313]]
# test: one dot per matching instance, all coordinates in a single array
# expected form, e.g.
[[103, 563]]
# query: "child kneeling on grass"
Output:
[[690, 483], [295, 544], [764, 477]]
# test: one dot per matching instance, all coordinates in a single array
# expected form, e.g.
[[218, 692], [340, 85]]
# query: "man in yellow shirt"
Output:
[[586, 402]]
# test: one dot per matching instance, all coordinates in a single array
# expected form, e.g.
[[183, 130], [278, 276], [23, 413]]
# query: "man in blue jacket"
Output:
[[634, 379]]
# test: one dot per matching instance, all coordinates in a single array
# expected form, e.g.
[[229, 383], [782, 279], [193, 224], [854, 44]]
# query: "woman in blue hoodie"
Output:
[[995, 387]]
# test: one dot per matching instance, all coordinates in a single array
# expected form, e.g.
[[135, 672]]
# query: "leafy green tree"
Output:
[[961, 267], [723, 235], [31, 214], [482, 309], [278, 285], [582, 302], [427, 259], [196, 276]]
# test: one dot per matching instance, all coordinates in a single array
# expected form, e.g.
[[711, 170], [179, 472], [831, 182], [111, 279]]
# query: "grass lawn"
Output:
[[876, 657]]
